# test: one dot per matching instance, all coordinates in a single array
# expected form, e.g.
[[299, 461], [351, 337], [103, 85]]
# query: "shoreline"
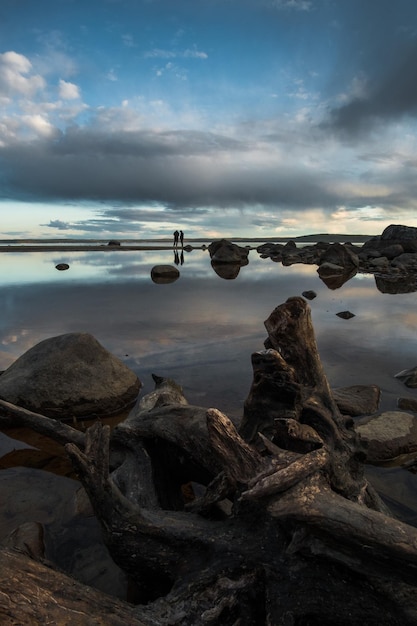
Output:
[[131, 245]]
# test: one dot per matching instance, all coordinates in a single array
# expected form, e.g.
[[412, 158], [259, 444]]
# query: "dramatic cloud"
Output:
[[265, 113], [391, 96]]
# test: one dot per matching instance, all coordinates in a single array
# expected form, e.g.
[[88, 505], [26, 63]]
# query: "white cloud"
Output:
[[68, 91], [189, 53], [39, 124], [15, 75], [298, 5]]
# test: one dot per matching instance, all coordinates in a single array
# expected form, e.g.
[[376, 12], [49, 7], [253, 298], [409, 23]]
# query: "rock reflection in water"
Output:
[[336, 280], [228, 271], [396, 285]]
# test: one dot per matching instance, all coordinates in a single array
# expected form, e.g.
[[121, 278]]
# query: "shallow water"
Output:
[[201, 331]]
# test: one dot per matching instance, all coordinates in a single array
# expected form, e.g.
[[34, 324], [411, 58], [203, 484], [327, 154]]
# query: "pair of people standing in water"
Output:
[[178, 236]]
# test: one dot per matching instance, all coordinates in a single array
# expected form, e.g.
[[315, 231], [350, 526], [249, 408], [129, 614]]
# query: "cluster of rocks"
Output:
[[386, 435], [392, 257]]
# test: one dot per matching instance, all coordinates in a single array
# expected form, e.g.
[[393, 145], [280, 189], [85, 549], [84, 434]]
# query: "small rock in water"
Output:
[[346, 315], [62, 266], [163, 274], [408, 377], [310, 295], [407, 404]]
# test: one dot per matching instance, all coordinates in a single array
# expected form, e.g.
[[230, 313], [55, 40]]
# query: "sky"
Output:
[[249, 118]]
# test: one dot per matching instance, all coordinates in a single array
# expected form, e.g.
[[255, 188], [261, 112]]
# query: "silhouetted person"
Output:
[[176, 258], [181, 238], [176, 235], [182, 258]]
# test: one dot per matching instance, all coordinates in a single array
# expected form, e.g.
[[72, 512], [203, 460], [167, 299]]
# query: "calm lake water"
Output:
[[200, 330]]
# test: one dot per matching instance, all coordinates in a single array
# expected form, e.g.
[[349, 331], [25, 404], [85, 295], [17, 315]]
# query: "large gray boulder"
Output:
[[395, 234], [398, 232], [70, 375]]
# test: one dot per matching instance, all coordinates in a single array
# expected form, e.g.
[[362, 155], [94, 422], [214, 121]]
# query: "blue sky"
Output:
[[129, 118]]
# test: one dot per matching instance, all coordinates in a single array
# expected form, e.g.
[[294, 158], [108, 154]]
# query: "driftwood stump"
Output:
[[273, 523]]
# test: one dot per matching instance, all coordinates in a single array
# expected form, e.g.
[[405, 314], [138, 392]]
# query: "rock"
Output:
[[379, 263], [388, 435], [394, 284], [339, 254], [357, 399], [291, 257], [392, 251], [406, 261], [407, 404], [113, 242], [408, 377], [70, 375], [224, 251], [164, 274], [346, 315], [310, 295], [27, 538], [395, 234], [62, 266], [398, 232], [270, 249]]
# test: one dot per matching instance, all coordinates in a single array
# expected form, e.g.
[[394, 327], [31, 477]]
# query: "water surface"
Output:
[[201, 330]]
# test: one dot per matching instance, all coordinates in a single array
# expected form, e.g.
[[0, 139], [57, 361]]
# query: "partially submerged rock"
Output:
[[224, 251], [309, 294], [357, 400], [388, 435], [346, 315], [341, 255], [408, 377], [164, 274], [70, 375]]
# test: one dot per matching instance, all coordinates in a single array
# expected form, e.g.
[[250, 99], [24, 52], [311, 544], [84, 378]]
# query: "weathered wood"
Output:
[[33, 593], [12, 416], [301, 538]]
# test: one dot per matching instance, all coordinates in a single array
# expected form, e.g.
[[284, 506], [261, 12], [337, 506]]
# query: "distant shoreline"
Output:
[[80, 245]]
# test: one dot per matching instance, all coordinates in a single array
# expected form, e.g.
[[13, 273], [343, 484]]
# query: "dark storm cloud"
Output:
[[177, 169], [379, 47], [392, 97]]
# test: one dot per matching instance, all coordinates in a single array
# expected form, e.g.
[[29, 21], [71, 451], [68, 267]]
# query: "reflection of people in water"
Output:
[[178, 258], [176, 235], [182, 238]]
